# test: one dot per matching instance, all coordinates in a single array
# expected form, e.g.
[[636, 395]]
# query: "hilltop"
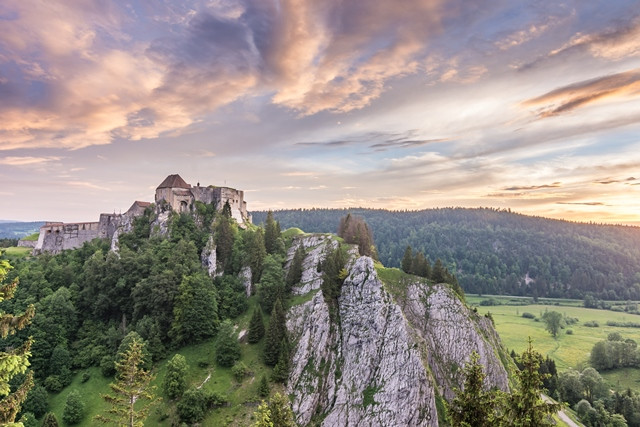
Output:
[[500, 252]]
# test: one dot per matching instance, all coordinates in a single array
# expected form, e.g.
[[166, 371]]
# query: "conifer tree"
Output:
[[263, 387], [280, 372], [407, 260], [275, 334], [473, 406], [271, 234], [15, 361], [438, 273], [281, 413], [132, 386], [263, 416], [50, 420], [256, 326], [226, 345], [277, 413], [295, 269], [224, 234], [524, 407]]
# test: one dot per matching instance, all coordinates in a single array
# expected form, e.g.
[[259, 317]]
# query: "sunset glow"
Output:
[[412, 104]]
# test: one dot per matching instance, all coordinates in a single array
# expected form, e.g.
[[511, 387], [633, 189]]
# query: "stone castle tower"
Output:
[[175, 192]]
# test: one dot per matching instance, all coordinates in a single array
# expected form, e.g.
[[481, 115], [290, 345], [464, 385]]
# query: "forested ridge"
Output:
[[499, 252]]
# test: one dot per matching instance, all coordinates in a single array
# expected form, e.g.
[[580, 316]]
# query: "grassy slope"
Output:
[[569, 351], [242, 396]]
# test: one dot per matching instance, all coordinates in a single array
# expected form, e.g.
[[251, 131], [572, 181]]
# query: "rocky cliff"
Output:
[[389, 351]]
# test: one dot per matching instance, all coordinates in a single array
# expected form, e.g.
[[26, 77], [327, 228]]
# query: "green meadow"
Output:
[[203, 372], [568, 350]]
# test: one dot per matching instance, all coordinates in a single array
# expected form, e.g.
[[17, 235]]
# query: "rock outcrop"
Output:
[[377, 360]]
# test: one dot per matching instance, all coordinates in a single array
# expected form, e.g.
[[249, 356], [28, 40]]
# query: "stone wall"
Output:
[[58, 237], [27, 243]]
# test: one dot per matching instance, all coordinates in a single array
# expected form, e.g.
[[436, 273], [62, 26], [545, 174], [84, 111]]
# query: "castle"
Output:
[[173, 194]]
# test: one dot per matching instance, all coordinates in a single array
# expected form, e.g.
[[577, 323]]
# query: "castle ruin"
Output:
[[173, 195]]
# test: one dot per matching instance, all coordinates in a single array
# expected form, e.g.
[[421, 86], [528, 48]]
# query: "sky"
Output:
[[532, 106]]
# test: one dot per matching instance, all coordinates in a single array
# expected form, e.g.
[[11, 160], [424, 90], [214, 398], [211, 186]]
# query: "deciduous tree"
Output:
[[175, 381]]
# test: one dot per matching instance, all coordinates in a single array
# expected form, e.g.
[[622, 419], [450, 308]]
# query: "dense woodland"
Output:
[[499, 252], [92, 304]]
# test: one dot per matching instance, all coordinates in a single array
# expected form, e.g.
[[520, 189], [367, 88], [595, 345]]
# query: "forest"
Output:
[[95, 307], [499, 252]]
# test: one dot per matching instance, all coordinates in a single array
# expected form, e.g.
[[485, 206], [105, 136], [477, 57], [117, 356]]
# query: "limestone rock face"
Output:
[[452, 333], [315, 246], [208, 257], [245, 276], [369, 360]]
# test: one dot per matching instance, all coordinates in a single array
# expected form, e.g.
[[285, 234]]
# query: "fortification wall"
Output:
[[108, 224], [58, 237], [27, 243]]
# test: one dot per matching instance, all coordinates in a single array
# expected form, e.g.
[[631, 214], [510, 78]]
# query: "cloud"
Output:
[[612, 43], [571, 97], [583, 203], [533, 187], [27, 160], [378, 141]]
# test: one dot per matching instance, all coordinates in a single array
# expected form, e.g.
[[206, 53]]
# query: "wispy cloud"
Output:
[[27, 160], [569, 98]]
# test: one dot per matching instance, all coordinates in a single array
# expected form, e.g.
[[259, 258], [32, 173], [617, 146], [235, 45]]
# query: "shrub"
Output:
[[569, 331], [527, 315], [239, 371], [73, 408], [52, 383], [86, 376], [591, 324]]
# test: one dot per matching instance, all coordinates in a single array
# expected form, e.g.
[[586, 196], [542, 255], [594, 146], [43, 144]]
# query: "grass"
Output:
[[15, 252], [243, 397], [32, 237], [90, 392], [569, 351]]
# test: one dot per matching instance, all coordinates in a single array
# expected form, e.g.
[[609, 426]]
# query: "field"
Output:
[[569, 351]]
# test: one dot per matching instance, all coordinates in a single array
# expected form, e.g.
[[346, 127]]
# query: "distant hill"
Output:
[[17, 230], [499, 252]]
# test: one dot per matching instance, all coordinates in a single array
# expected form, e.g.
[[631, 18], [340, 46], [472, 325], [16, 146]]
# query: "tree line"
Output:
[[499, 252]]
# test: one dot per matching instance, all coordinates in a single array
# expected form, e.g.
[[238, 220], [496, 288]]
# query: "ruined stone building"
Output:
[[173, 194], [181, 196]]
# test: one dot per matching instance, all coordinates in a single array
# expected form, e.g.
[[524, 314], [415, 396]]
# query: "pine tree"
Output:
[[280, 372], [524, 407], [263, 387], [407, 260], [276, 413], [295, 269], [271, 234], [15, 361], [438, 273], [175, 380], [263, 416], [224, 236], [226, 345], [132, 386], [256, 326], [50, 420], [473, 405], [281, 413], [275, 334]]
